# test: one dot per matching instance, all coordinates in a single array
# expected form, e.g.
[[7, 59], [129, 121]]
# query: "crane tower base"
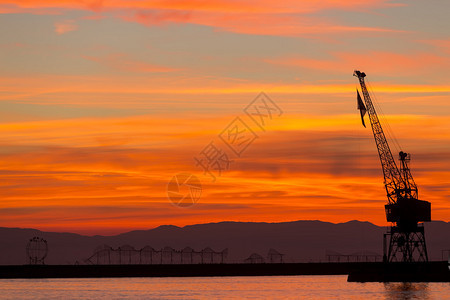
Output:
[[405, 245]]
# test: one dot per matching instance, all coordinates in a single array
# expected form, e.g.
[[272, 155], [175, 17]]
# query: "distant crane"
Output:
[[404, 210]]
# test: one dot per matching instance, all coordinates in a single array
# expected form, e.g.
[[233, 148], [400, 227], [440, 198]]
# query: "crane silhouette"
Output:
[[404, 210]]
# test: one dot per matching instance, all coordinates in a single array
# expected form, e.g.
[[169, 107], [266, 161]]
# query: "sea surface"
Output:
[[270, 287]]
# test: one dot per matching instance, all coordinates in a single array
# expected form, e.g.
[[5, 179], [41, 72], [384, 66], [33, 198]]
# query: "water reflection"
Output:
[[206, 288], [406, 290]]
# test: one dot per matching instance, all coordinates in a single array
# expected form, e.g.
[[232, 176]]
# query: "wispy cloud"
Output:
[[387, 63], [122, 62], [289, 6], [65, 26], [442, 45], [268, 17], [306, 165]]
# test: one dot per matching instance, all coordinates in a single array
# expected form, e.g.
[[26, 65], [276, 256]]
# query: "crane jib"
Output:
[[399, 183]]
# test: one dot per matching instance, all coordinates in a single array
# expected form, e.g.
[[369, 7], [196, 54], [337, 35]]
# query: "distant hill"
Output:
[[299, 240]]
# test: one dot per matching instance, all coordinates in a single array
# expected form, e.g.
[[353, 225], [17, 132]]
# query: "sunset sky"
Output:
[[102, 102]]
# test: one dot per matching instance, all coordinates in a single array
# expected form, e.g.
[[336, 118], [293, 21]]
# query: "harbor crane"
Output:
[[403, 210]]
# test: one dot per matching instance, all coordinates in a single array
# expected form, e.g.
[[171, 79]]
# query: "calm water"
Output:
[[282, 287]]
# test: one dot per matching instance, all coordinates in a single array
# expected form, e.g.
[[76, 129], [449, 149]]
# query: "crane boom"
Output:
[[393, 180]]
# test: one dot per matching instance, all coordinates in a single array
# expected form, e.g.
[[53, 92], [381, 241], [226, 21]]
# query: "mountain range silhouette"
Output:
[[299, 241]]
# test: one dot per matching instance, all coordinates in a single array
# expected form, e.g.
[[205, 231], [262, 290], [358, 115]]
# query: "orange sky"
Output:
[[102, 102]]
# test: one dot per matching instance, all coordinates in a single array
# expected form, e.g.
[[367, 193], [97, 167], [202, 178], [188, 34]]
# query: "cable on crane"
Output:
[[390, 132]]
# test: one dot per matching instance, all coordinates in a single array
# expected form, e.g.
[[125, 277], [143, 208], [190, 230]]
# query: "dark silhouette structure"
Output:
[[254, 258], [127, 255], [404, 210], [36, 250], [361, 256], [273, 256]]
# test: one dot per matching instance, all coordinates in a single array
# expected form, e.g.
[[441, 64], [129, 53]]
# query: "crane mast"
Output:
[[399, 184], [404, 210], [392, 177]]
